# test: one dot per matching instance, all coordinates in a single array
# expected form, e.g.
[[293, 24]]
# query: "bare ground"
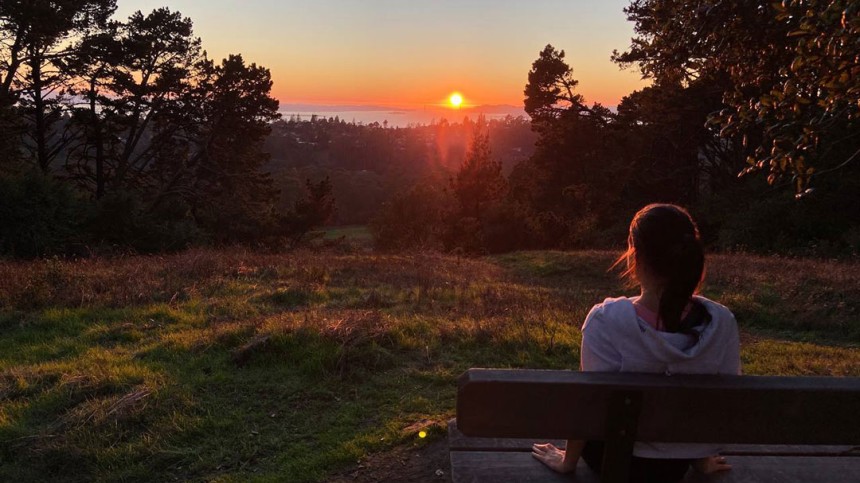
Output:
[[424, 463]]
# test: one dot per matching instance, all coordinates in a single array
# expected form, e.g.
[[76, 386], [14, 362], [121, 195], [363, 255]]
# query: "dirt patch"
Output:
[[427, 462]]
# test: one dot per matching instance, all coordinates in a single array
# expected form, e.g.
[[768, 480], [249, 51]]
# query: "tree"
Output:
[[134, 80], [550, 90], [89, 156], [479, 181], [35, 45], [578, 170], [166, 141], [224, 168], [794, 78], [478, 187], [316, 208], [415, 218], [676, 153]]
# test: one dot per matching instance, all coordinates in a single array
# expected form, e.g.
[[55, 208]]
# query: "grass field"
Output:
[[238, 366]]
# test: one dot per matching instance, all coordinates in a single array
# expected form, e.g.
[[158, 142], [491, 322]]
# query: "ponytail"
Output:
[[682, 280]]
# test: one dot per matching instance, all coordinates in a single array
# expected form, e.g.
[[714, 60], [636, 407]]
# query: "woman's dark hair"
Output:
[[664, 239]]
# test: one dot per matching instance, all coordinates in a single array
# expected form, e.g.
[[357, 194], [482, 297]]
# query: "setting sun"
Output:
[[456, 100]]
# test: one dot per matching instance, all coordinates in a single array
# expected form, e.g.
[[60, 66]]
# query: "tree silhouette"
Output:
[[478, 186], [479, 180], [551, 85], [316, 208], [795, 81], [35, 47]]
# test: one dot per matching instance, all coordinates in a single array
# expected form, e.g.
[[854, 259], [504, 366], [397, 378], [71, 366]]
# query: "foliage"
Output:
[[38, 216], [316, 208], [134, 115], [416, 218], [396, 152], [794, 87], [369, 165], [479, 181], [122, 220], [549, 91], [580, 167], [34, 52], [477, 188]]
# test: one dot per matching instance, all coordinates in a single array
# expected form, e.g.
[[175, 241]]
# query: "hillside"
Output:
[[234, 366]]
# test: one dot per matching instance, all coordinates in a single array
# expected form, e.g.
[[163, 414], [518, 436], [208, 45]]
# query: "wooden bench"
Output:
[[774, 429]]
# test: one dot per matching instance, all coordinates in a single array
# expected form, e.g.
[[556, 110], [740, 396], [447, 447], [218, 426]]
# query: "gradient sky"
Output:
[[408, 53]]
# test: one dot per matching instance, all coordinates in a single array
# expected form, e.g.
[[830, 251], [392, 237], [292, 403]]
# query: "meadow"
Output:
[[234, 365]]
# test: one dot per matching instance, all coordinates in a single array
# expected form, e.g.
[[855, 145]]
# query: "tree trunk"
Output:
[[40, 135]]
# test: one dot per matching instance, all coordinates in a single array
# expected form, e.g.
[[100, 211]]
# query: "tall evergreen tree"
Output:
[[36, 42]]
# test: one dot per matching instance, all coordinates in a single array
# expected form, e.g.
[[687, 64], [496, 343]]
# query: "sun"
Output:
[[456, 100]]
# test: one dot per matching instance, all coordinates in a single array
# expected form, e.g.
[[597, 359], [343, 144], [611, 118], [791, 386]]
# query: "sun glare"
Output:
[[456, 100]]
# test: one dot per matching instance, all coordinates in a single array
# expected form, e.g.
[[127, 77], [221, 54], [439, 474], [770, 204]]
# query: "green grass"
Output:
[[238, 366]]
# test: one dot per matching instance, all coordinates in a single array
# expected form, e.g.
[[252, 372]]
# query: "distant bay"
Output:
[[396, 117]]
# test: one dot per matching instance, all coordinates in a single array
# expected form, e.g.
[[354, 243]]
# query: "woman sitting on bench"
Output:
[[666, 329]]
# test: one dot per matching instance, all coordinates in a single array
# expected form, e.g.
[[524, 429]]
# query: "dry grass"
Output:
[[232, 365], [790, 295]]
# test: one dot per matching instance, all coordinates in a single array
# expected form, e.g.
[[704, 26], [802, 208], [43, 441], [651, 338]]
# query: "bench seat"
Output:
[[479, 460], [792, 429]]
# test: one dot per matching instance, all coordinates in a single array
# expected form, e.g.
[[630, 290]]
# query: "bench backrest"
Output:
[[677, 408]]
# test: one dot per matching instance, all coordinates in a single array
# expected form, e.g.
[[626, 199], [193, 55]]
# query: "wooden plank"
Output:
[[622, 421], [486, 467], [790, 450], [775, 469], [457, 441], [493, 467], [679, 408]]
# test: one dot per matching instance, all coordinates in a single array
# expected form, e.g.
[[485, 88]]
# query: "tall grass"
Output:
[[232, 365]]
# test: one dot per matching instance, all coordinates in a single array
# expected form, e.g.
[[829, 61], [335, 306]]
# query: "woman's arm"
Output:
[[596, 354], [561, 460]]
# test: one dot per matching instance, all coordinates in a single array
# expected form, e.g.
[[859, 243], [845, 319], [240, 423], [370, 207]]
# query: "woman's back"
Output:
[[616, 339], [667, 329]]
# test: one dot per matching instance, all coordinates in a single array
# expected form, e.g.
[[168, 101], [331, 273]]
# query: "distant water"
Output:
[[400, 118]]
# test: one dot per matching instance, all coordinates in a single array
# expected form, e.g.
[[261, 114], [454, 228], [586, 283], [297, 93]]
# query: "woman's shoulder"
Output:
[[611, 310], [716, 309]]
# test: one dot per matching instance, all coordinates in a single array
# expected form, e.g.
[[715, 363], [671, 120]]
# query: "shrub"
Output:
[[38, 216]]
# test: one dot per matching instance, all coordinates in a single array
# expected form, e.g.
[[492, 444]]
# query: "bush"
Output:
[[121, 219], [823, 225], [415, 218], [38, 216]]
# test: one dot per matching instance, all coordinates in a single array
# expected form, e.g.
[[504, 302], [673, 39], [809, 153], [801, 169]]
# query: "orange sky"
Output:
[[412, 53]]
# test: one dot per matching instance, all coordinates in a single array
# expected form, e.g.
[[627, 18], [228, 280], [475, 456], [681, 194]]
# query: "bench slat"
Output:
[[779, 469], [487, 467], [457, 441], [708, 409]]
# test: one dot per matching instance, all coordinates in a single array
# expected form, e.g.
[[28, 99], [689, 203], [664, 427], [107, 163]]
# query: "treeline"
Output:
[[369, 163], [739, 88], [124, 133]]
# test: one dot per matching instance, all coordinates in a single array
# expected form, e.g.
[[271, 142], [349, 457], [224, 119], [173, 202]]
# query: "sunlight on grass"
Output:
[[234, 366]]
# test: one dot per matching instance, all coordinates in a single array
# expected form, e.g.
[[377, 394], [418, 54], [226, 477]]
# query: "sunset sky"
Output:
[[400, 53]]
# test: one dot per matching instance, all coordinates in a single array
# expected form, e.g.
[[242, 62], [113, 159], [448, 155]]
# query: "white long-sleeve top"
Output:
[[615, 339]]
